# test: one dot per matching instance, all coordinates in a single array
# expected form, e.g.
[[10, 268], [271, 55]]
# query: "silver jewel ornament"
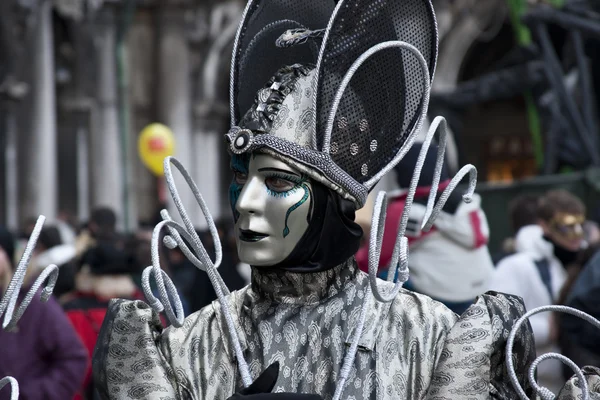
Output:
[[240, 140]]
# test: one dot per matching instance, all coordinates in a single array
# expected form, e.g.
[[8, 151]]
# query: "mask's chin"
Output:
[[259, 251]]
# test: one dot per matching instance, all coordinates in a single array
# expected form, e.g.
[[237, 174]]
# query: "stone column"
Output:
[[40, 181], [10, 172], [83, 184], [174, 103], [208, 146], [212, 110], [106, 170]]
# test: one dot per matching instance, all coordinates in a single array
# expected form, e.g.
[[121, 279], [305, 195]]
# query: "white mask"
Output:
[[273, 210]]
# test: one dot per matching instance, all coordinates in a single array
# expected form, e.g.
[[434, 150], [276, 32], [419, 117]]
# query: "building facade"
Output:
[[83, 80]]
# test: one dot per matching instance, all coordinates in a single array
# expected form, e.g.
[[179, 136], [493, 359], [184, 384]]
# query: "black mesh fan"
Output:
[[261, 60], [384, 99], [264, 21], [379, 106]]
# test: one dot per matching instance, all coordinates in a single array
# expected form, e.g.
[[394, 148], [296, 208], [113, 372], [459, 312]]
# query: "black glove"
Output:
[[261, 388]]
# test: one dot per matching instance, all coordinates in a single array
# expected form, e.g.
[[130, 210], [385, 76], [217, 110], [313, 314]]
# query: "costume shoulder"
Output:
[[412, 314], [408, 336], [572, 390], [473, 360], [414, 306], [136, 358]]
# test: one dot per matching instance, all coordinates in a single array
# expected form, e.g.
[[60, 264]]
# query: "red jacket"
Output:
[[451, 261], [390, 230], [86, 312]]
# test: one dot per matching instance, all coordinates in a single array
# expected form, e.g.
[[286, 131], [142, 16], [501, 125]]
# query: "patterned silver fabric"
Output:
[[304, 321], [294, 120], [411, 348], [571, 390], [473, 360]]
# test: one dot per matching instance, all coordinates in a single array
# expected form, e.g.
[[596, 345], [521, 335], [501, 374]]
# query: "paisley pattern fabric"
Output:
[[472, 365], [294, 120], [572, 391], [411, 348], [307, 321]]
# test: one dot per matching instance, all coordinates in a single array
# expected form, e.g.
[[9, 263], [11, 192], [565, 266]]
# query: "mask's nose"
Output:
[[252, 198]]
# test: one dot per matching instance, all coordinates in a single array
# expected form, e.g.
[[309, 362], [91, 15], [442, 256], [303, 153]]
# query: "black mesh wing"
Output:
[[256, 58], [384, 99]]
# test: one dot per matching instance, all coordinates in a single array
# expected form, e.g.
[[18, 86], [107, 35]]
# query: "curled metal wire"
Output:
[[9, 301], [351, 355], [543, 392], [14, 386], [197, 255], [399, 263]]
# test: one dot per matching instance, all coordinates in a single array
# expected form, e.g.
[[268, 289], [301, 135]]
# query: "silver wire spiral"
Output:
[[14, 386], [544, 392], [399, 262], [197, 255], [10, 298], [377, 223]]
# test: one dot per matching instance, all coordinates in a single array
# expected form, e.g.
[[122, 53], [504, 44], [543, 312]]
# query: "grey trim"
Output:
[[350, 74], [204, 263], [436, 41], [14, 386], [433, 210], [318, 68], [414, 133], [236, 44], [411, 137], [317, 164], [310, 171]]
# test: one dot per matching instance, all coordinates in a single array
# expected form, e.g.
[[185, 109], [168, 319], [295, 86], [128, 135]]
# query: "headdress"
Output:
[[361, 91]]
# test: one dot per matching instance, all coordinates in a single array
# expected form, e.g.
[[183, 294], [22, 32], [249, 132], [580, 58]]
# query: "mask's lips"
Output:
[[247, 235]]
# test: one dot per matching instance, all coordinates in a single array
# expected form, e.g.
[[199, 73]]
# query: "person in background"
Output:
[[65, 223], [537, 271], [578, 338], [235, 274], [522, 211], [51, 250], [110, 266], [43, 352], [451, 262], [101, 226]]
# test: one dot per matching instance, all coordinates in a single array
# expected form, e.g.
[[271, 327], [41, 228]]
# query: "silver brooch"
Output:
[[240, 140]]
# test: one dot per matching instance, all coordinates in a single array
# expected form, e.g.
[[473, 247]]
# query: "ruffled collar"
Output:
[[302, 288]]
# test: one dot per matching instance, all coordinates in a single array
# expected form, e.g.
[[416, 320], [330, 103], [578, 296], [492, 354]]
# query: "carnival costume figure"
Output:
[[326, 97]]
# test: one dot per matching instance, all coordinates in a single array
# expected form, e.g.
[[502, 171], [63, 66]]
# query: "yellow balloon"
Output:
[[156, 142]]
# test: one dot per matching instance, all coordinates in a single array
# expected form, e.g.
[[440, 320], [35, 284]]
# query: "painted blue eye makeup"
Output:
[[281, 184]]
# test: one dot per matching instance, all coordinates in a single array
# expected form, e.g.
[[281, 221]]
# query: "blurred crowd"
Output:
[[551, 258], [50, 351]]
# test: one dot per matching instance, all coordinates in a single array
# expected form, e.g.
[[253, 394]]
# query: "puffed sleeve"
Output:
[[472, 364], [128, 362]]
